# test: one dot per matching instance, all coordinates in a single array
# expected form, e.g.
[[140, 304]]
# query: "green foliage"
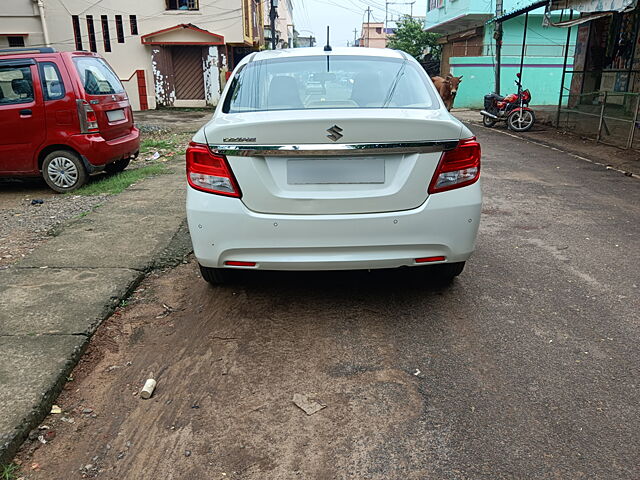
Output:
[[9, 472], [113, 184], [151, 144], [410, 37], [162, 141]]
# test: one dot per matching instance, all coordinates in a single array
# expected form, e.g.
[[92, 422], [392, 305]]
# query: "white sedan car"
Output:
[[370, 171]]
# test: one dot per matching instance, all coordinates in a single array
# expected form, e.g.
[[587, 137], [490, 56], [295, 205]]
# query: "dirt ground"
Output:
[[526, 367], [227, 364], [627, 161], [178, 120]]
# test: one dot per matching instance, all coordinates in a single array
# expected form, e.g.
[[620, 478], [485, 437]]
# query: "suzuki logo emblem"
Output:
[[335, 133]]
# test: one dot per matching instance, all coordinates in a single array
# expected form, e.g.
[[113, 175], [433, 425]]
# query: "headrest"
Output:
[[21, 87], [284, 92], [367, 90]]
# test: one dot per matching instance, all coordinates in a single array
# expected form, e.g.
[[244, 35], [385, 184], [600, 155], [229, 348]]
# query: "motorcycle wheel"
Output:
[[521, 120], [488, 121]]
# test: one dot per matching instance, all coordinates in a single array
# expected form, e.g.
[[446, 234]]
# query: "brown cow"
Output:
[[447, 88]]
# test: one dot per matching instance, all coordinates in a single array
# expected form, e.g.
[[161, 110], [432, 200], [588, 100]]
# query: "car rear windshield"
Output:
[[97, 77], [306, 83]]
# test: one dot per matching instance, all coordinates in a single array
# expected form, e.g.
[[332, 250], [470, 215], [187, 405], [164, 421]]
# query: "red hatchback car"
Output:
[[63, 115]]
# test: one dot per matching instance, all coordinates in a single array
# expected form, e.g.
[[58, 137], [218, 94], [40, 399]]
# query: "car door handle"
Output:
[[26, 111]]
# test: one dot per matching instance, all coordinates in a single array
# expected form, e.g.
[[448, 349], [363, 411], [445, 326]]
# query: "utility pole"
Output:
[[368, 22], [355, 38], [386, 10], [497, 35], [386, 14], [273, 14]]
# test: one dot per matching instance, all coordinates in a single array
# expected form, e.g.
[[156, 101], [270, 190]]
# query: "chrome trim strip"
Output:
[[310, 150]]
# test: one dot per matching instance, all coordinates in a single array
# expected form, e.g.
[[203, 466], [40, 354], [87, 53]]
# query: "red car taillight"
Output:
[[209, 172], [88, 117], [458, 167]]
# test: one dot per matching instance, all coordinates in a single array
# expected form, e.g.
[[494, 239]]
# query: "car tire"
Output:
[[488, 121], [64, 171], [446, 272], [215, 276], [117, 166]]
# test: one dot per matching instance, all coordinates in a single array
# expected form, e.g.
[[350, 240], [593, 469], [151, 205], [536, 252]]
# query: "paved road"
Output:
[[528, 365]]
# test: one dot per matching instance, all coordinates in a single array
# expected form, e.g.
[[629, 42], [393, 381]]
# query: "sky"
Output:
[[345, 15]]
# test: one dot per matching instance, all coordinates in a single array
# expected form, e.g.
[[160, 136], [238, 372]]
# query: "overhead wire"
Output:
[[151, 15], [204, 19], [85, 37]]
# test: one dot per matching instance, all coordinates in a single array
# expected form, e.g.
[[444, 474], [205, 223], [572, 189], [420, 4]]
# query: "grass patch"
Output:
[[150, 144], [9, 472], [117, 183], [165, 144], [186, 109]]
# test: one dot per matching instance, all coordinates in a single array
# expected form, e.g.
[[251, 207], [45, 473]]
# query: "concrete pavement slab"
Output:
[[125, 233], [52, 301], [32, 372], [60, 301]]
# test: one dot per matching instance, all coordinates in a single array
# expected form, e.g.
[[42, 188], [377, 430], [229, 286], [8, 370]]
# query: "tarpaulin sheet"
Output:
[[594, 6]]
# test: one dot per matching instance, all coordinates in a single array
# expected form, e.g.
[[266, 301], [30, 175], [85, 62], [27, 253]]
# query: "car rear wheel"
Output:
[[117, 166], [64, 171], [215, 276]]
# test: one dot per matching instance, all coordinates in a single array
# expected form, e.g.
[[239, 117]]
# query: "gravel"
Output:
[[23, 225], [149, 128]]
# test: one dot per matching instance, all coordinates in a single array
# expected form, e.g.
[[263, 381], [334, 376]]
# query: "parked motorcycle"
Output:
[[514, 109]]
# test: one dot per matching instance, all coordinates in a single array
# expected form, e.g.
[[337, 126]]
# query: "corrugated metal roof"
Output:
[[519, 11]]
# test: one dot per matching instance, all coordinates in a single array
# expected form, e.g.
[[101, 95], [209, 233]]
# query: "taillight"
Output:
[[88, 117], [458, 167], [92, 119], [209, 172]]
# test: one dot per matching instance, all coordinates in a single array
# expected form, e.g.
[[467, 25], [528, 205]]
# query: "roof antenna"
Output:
[[327, 47]]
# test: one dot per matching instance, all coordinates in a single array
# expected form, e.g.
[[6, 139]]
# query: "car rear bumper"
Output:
[[98, 151], [223, 229]]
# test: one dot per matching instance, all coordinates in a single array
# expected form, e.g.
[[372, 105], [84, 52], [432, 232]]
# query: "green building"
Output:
[[469, 49]]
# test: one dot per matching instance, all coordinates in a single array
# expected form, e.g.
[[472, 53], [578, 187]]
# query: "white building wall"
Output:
[[211, 68], [20, 17], [224, 17]]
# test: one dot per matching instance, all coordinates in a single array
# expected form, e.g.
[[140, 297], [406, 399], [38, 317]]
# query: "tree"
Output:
[[410, 37]]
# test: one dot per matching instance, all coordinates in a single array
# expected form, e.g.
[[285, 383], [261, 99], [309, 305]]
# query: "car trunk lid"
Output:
[[337, 162]]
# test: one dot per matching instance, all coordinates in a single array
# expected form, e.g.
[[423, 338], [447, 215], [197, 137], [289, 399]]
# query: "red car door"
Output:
[[22, 122], [59, 100]]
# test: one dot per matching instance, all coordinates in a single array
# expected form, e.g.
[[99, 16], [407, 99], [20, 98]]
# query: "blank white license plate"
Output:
[[115, 115], [320, 171]]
